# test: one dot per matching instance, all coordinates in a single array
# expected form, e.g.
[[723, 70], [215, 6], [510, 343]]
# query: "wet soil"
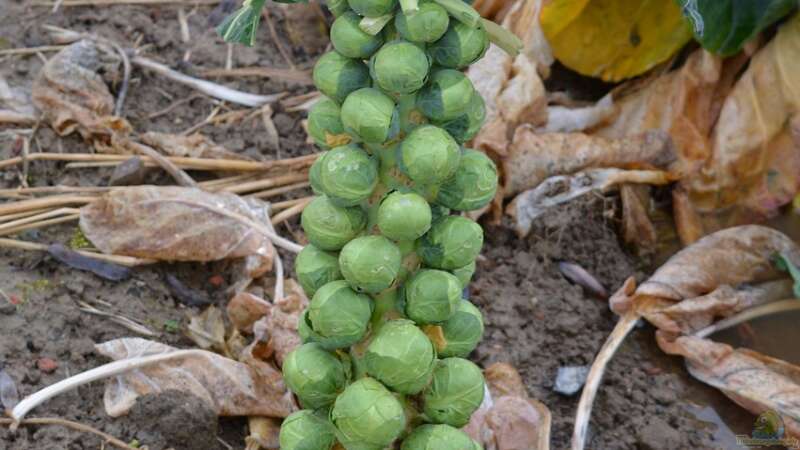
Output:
[[536, 319]]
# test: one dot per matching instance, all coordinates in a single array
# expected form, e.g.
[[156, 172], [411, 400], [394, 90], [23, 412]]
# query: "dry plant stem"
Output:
[[118, 319], [213, 89], [38, 217], [98, 373], [31, 50], [750, 314], [302, 77], [127, 261], [179, 175], [6, 230], [278, 270], [68, 424], [9, 217], [289, 203], [45, 202], [126, 78], [281, 190], [60, 189], [291, 212], [8, 117], [174, 105], [180, 161], [621, 330], [267, 183], [276, 39]]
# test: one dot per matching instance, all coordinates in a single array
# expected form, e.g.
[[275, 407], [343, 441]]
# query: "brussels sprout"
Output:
[[455, 392], [404, 217], [474, 184], [410, 115], [346, 174], [467, 125], [452, 242], [370, 263], [411, 260], [340, 314], [337, 76], [350, 40], [432, 296], [372, 8], [439, 211], [367, 416], [399, 67], [401, 356], [447, 96], [439, 437], [328, 226], [315, 268], [460, 46], [325, 125], [464, 274], [306, 430], [370, 115], [427, 24], [314, 375], [461, 333], [428, 155]]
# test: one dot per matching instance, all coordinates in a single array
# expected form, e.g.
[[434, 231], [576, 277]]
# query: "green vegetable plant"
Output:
[[387, 330]]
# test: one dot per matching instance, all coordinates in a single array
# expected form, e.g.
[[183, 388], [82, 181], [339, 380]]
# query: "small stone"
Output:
[[47, 365], [658, 435], [130, 172], [570, 379], [7, 309]]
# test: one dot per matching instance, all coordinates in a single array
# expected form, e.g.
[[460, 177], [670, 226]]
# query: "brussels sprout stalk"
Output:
[[502, 38], [374, 25]]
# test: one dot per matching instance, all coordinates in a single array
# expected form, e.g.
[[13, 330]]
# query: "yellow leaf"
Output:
[[614, 39]]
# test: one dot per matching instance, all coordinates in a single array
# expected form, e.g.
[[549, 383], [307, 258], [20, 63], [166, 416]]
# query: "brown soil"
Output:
[[535, 318]]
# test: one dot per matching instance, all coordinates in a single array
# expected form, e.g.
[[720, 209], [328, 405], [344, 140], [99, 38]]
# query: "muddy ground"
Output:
[[536, 319]]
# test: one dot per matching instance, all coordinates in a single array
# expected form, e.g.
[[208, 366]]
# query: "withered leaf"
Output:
[[207, 330], [231, 388], [193, 146], [244, 309], [174, 224]]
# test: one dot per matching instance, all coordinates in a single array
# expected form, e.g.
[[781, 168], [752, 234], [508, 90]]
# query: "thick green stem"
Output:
[[374, 25], [461, 11], [409, 7], [502, 38]]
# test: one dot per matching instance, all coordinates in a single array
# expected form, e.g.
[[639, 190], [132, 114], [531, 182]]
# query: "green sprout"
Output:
[[452, 242], [372, 8], [464, 274], [474, 184], [439, 437], [336, 75], [404, 217], [306, 430], [460, 46], [370, 115], [432, 296], [447, 96], [405, 368], [330, 227], [337, 315], [400, 67], [346, 174], [425, 25], [325, 125], [466, 126], [350, 40], [460, 334], [367, 416], [410, 115], [370, 263], [315, 268], [429, 155], [314, 374], [455, 392]]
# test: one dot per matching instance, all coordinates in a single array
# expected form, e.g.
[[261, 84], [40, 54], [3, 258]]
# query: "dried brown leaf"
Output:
[[193, 146], [264, 433], [74, 97], [508, 419], [754, 161], [281, 323], [756, 382], [561, 119], [207, 330], [637, 228], [557, 190], [730, 257], [174, 223], [534, 157], [244, 309], [231, 388]]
